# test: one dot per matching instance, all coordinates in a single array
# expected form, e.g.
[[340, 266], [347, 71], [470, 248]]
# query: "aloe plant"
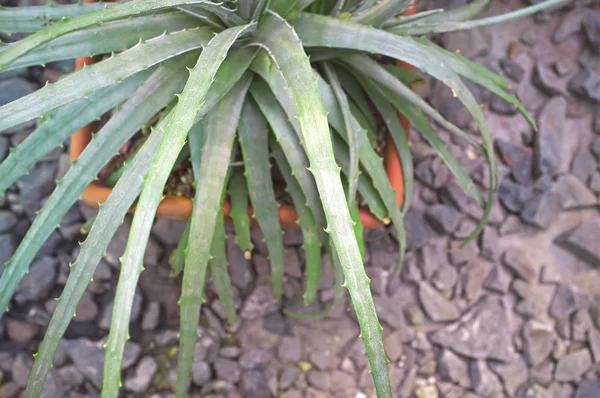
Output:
[[292, 84]]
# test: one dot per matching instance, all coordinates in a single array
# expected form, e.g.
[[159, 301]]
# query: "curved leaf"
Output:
[[238, 196]]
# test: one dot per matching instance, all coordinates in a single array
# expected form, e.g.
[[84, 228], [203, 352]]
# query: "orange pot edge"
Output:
[[181, 208]]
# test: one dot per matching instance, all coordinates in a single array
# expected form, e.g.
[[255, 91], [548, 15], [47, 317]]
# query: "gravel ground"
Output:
[[515, 314]]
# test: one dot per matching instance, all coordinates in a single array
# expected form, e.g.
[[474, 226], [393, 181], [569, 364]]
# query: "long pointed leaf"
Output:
[[110, 216], [287, 51], [254, 142], [64, 26], [210, 179], [103, 74], [152, 96], [238, 196], [106, 38]]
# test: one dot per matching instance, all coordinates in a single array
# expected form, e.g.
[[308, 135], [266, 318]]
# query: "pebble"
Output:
[[227, 370], [7, 220], [591, 27], [21, 332], [70, 375], [436, 306], [288, 376], [319, 380], [240, 269], [474, 279], [516, 260], [512, 69], [36, 284], [588, 389], [445, 278], [14, 88], [518, 159], [151, 316], [290, 349], [21, 368], [483, 380], [583, 166], [489, 244], [586, 85], [551, 124], [542, 209], [513, 375], [454, 368], [513, 196], [573, 192], [572, 366], [569, 25], [259, 303], [566, 301], [253, 384], [144, 372], [444, 219], [418, 231], [201, 373], [582, 241]]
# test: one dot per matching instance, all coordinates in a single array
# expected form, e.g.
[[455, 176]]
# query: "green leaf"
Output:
[[216, 153], [357, 95], [205, 17], [406, 19], [365, 185], [424, 20], [287, 51], [381, 12], [311, 242], [59, 126], [106, 38], [228, 16], [441, 24], [153, 95], [350, 133], [110, 216], [178, 255], [238, 196], [288, 139], [32, 19], [253, 138], [103, 74], [68, 25]]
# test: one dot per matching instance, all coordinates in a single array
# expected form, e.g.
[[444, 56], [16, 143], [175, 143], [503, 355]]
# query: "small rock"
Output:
[[141, 379], [437, 307], [461, 255], [240, 269], [201, 373], [518, 159], [481, 333], [542, 209], [594, 342], [545, 79], [443, 218], [465, 229], [21, 368], [543, 373], [501, 106], [498, 280], [70, 375], [581, 324], [484, 381], [87, 309], [255, 358], [512, 69], [36, 284], [573, 192], [570, 24], [288, 376], [551, 124], [21, 332], [319, 380], [594, 184], [516, 259], [453, 368], [513, 196], [475, 277], [151, 316], [583, 166], [566, 301], [582, 241], [513, 375], [433, 256], [563, 67], [88, 357], [259, 303], [489, 244], [290, 349], [595, 148], [591, 27], [586, 85], [393, 347], [445, 278], [10, 390], [7, 248], [587, 389], [7, 221], [253, 384], [13, 89], [227, 370], [572, 366], [417, 230], [168, 231], [453, 193], [511, 225]]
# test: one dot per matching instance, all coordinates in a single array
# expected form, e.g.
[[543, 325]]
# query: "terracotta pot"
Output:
[[181, 207]]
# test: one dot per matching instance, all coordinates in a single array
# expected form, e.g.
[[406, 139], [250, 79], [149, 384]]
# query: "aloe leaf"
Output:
[[218, 270], [228, 16], [32, 19], [110, 216], [106, 38], [103, 74], [152, 96], [253, 138], [321, 31], [104, 15], [311, 240], [218, 258], [216, 153], [444, 25], [405, 75], [287, 138], [54, 130], [399, 137], [238, 197], [302, 4], [365, 186], [381, 12], [206, 17], [377, 73], [424, 20], [282, 7], [287, 51], [178, 255], [356, 93], [350, 132]]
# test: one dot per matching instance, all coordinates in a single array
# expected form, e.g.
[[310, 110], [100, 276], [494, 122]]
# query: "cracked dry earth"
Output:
[[515, 314]]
